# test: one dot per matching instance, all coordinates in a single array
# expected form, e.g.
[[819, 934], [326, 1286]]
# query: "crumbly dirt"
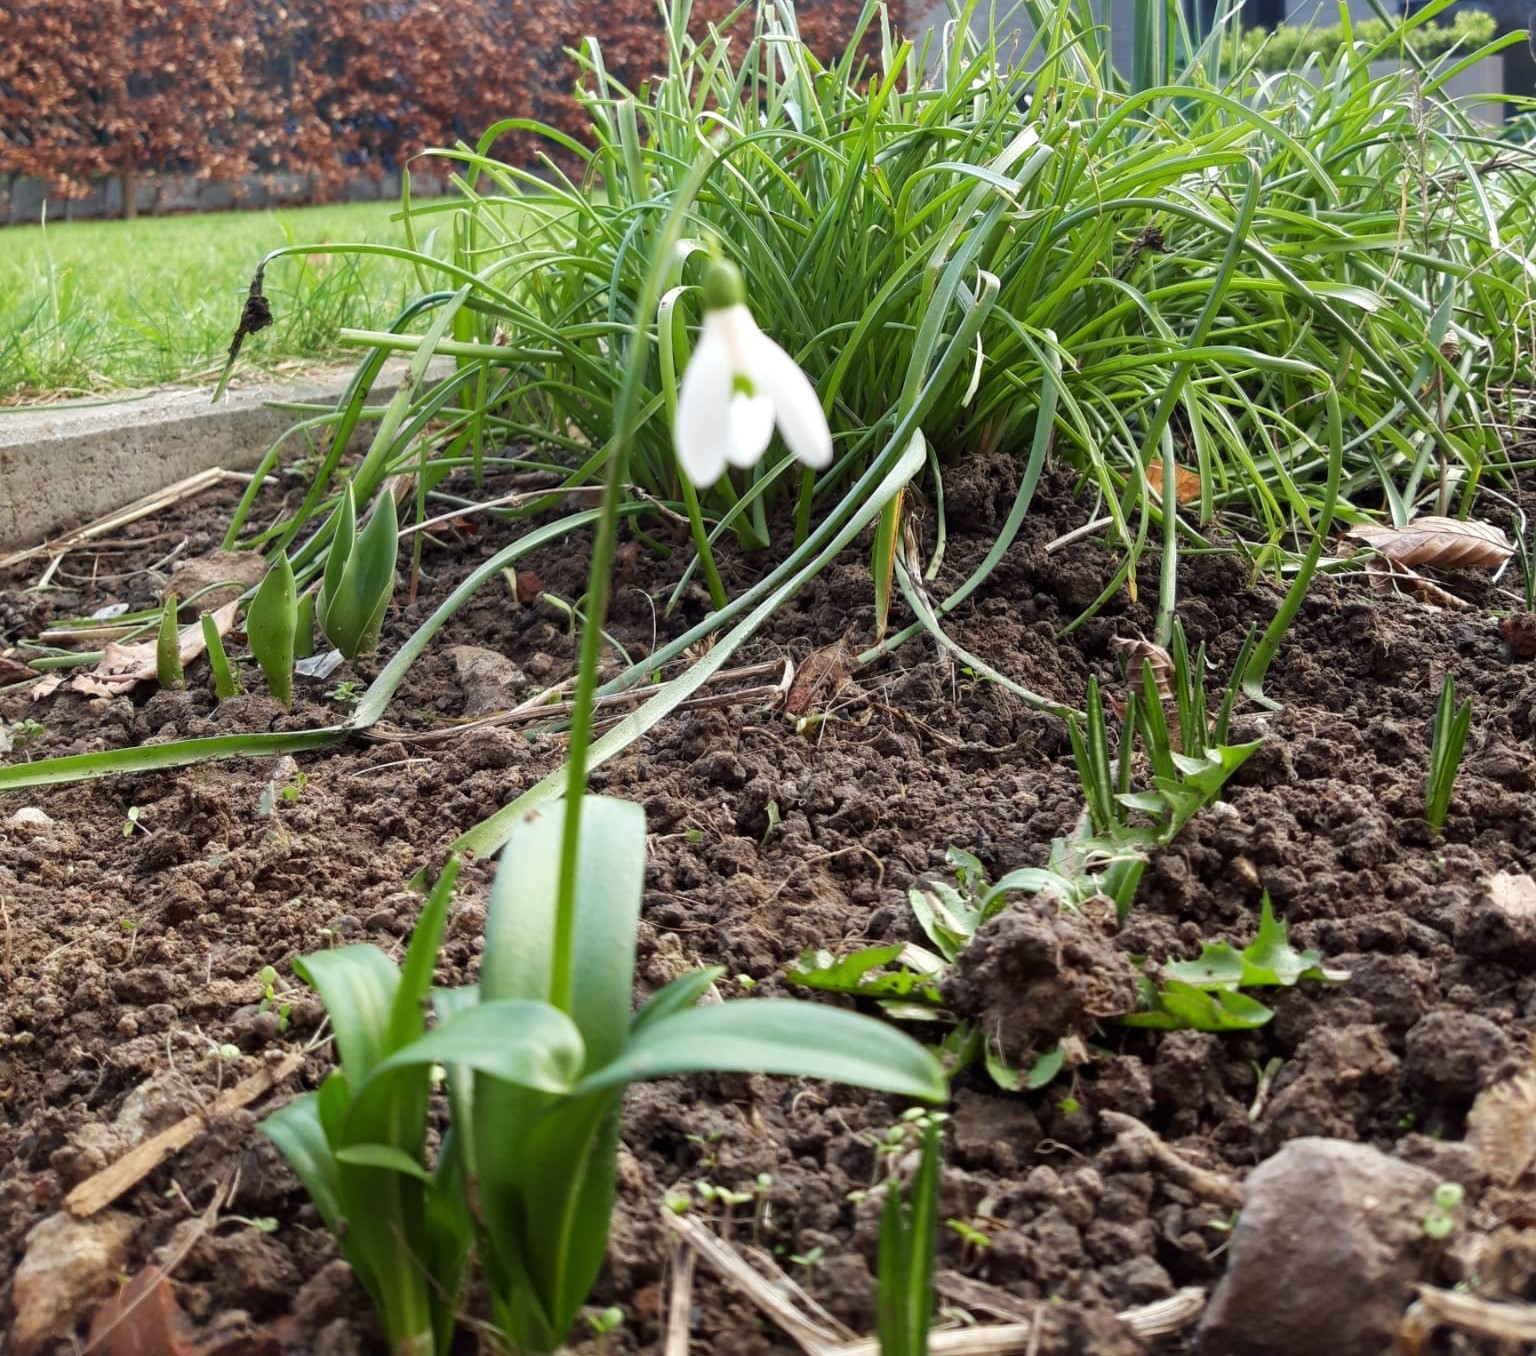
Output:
[[130, 955]]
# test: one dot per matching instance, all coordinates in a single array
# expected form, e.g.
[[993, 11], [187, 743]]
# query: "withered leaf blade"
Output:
[[1389, 578], [1138, 651], [820, 678], [1448, 543], [1186, 484], [1502, 1127]]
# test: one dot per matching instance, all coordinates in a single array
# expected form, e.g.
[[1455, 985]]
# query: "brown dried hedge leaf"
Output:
[[1387, 577], [1186, 484], [1502, 1127], [1136, 650], [1448, 543], [820, 678]]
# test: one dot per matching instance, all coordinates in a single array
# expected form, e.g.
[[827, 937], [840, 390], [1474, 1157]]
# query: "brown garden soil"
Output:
[[129, 958]]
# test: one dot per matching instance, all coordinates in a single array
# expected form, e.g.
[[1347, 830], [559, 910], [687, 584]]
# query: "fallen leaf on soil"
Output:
[[13, 672], [1186, 484], [1519, 632], [47, 687], [1137, 650], [1449, 543], [235, 570], [820, 678], [1502, 1126], [123, 667], [142, 1319], [1388, 577]]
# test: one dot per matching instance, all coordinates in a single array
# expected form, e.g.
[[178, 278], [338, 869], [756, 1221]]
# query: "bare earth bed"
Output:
[[129, 961]]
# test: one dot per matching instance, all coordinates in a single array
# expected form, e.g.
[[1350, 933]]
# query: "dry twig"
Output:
[[100, 1190]]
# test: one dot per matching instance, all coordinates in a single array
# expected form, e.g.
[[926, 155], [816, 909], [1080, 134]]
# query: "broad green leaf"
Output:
[[1272, 960], [856, 974], [1269, 961], [406, 1019], [1182, 1007], [271, 625], [520, 924], [300, 1138], [384, 1156], [1046, 1067], [1219, 967], [1030, 880], [516, 1040], [358, 986], [681, 993], [777, 1036], [343, 537]]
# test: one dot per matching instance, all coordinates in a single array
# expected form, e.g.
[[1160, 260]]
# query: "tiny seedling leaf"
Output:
[[857, 974], [1183, 1007]]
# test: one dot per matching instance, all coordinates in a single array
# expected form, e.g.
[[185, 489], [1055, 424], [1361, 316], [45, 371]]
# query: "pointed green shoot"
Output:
[[271, 623]]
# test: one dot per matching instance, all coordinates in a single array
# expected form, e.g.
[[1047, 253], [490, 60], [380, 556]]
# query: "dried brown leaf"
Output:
[[1448, 543], [1136, 651], [1388, 577], [1502, 1127], [13, 671], [123, 667], [1186, 484], [820, 678]]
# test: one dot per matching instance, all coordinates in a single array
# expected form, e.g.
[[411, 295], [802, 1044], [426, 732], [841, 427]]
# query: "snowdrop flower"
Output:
[[738, 385]]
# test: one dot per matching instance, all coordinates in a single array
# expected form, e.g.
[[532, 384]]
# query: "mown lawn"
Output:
[[95, 305]]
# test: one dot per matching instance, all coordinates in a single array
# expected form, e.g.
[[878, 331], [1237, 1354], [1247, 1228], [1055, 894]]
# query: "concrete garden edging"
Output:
[[70, 462]]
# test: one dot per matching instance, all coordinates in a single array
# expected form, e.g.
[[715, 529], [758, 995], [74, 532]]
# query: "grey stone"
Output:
[[1324, 1254]]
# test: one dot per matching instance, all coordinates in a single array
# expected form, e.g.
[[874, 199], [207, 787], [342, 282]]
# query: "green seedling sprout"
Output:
[[359, 575], [168, 669], [225, 684], [602, 1323], [1447, 743], [1440, 1222], [271, 624]]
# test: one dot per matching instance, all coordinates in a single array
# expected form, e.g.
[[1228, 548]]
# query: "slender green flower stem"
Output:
[[600, 578]]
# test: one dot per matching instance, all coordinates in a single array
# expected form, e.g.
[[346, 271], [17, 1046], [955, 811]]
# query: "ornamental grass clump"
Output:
[[1292, 300]]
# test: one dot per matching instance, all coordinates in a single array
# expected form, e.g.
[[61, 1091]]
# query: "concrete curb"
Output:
[[65, 464]]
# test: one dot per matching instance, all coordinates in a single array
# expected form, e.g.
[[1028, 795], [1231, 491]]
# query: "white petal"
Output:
[[751, 420], [796, 407], [702, 429]]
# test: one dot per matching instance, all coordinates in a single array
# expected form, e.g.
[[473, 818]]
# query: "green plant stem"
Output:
[[600, 577], [701, 545]]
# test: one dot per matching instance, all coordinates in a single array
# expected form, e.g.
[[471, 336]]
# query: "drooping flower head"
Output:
[[738, 385]]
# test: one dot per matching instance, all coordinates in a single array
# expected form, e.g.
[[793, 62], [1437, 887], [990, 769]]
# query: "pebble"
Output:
[[1324, 1254], [30, 814], [68, 1265]]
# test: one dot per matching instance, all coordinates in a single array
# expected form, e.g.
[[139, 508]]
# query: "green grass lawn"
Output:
[[94, 305]]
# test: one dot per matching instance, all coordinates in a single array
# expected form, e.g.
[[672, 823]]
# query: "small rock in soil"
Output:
[[1453, 1055], [68, 1265], [1500, 925], [1519, 632], [486, 678], [1346, 1076], [31, 816], [1326, 1249]]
